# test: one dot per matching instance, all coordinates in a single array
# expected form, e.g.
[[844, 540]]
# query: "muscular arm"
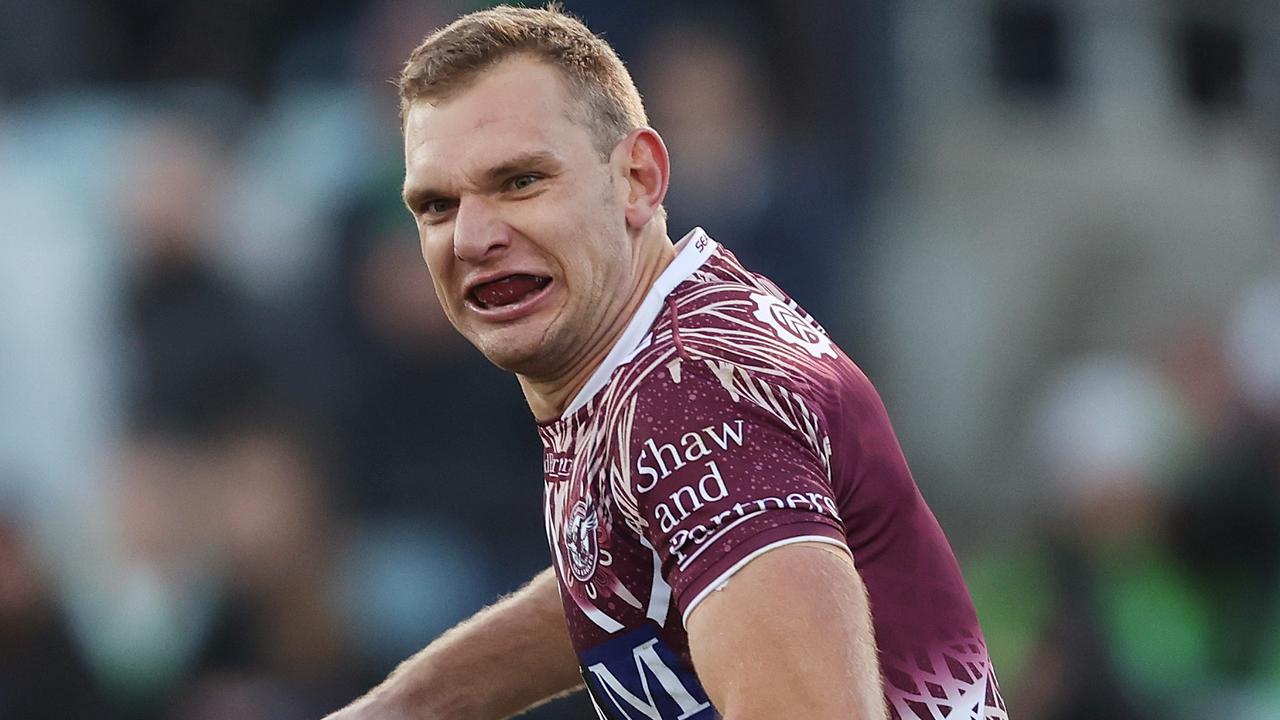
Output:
[[789, 636], [505, 659]]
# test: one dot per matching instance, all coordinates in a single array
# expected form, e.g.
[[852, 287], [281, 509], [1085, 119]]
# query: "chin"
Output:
[[511, 351], [516, 363]]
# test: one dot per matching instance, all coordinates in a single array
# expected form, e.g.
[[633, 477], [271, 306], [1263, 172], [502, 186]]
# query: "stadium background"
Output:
[[245, 466]]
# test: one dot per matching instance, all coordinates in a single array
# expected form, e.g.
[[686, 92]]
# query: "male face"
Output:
[[521, 221]]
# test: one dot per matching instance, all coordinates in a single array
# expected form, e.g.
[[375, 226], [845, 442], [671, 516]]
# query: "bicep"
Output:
[[789, 635]]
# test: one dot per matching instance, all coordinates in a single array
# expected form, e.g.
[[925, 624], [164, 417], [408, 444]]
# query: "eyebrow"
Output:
[[491, 176]]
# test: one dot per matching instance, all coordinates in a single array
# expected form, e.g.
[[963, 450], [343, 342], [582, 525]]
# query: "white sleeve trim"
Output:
[[724, 576]]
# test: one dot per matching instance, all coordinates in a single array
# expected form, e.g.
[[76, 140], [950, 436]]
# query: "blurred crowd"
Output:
[[246, 465]]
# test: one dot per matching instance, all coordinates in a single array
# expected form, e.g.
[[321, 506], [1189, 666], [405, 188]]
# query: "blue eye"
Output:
[[523, 181], [437, 207], [436, 210]]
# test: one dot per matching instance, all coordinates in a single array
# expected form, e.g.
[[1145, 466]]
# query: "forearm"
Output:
[[505, 659]]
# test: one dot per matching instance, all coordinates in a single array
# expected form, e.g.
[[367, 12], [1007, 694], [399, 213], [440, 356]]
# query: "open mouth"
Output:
[[508, 291]]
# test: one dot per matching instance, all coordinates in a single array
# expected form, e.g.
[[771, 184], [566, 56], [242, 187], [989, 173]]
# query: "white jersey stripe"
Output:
[[692, 250], [724, 576]]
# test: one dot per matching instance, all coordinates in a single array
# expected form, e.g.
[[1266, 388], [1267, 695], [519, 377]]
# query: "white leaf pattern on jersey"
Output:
[[942, 696], [588, 432], [744, 357], [720, 330]]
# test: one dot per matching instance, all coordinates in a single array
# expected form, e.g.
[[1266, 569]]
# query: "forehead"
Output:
[[519, 106]]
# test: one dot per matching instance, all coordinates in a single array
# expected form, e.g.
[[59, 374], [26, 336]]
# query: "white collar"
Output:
[[692, 250]]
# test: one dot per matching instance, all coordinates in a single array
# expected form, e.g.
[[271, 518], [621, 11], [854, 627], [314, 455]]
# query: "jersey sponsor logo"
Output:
[[557, 466], [789, 326], [637, 677], [696, 510], [687, 542], [581, 541], [658, 461]]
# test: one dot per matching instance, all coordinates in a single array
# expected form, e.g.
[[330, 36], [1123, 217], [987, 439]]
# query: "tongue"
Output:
[[508, 289]]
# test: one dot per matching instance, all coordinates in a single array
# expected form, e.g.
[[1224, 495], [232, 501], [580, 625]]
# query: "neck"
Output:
[[548, 398]]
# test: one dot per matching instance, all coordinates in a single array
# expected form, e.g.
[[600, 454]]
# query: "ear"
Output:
[[647, 169]]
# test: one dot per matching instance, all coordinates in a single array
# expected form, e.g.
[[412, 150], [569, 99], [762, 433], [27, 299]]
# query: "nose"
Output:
[[479, 233]]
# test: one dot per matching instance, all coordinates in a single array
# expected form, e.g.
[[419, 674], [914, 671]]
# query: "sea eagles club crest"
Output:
[[580, 537], [789, 326]]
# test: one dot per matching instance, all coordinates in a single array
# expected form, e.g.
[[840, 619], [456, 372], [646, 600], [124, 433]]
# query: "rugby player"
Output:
[[733, 528]]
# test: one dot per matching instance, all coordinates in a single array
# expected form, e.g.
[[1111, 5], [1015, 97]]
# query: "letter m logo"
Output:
[[636, 677]]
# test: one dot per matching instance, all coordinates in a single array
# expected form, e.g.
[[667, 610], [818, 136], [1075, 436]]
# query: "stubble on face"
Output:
[[575, 231], [598, 278]]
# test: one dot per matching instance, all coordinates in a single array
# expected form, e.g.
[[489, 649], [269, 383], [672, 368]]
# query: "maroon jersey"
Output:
[[725, 423]]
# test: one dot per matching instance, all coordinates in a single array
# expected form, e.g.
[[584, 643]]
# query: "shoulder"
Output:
[[726, 316], [727, 406], [730, 345]]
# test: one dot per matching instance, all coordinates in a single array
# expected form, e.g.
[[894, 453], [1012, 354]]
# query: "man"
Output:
[[726, 504]]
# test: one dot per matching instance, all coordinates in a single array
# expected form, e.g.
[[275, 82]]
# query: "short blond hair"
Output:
[[448, 60]]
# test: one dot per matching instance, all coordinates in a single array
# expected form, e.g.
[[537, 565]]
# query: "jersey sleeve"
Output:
[[725, 466]]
